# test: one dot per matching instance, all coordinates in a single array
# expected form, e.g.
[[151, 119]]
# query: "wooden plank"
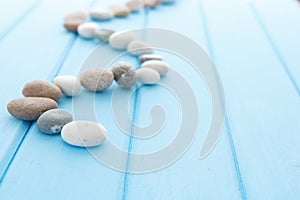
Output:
[[262, 104], [188, 178]]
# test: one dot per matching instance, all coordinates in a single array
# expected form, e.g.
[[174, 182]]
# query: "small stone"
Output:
[[72, 25], [87, 29], [124, 74], [167, 1], [135, 5], [147, 57], [52, 121], [152, 3], [96, 80], [103, 34], [101, 14], [70, 85], [137, 47], [40, 88], [84, 133], [76, 15], [120, 40], [120, 11], [147, 76], [30, 108], [160, 66]]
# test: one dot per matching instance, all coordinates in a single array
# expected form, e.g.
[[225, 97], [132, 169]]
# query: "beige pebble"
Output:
[[137, 47], [147, 76], [120, 11], [96, 79], [152, 3], [146, 57], [30, 108], [135, 5], [40, 88], [160, 66], [73, 25], [76, 15]]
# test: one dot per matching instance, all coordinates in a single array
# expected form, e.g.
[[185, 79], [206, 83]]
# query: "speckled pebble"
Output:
[[70, 85], [101, 14], [160, 66], [84, 133], [52, 121], [147, 76], [40, 88], [124, 74], [120, 40], [120, 11], [76, 15], [30, 108], [72, 25], [135, 5], [137, 47], [96, 79], [103, 34], [146, 57], [87, 29]]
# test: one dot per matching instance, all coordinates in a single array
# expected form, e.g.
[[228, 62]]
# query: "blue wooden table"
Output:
[[255, 46]]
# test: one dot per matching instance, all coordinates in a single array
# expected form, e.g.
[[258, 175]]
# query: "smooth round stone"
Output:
[[84, 133], [87, 29], [152, 3], [120, 11], [101, 14], [124, 74], [72, 25], [40, 88], [137, 47], [160, 66], [70, 85], [52, 121], [135, 5], [103, 34], [146, 57], [30, 108], [96, 80], [76, 15], [120, 40], [147, 76]]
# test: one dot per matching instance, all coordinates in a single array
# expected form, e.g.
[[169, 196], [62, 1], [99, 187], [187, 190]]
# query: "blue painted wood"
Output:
[[262, 104]]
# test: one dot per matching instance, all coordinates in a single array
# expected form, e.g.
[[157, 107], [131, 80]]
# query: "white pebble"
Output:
[[101, 14], [76, 16], [70, 85], [137, 47], [147, 57], [160, 66], [84, 133], [135, 5], [119, 40], [86, 30], [147, 76]]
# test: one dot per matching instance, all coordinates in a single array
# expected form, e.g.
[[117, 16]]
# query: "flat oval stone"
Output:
[[84, 133], [70, 85], [124, 74], [30, 108], [103, 34], [160, 66], [52, 121], [87, 29], [147, 57], [76, 15], [152, 3], [135, 5], [147, 76], [137, 47], [120, 40], [120, 10], [97, 79], [101, 14], [72, 25], [40, 88]]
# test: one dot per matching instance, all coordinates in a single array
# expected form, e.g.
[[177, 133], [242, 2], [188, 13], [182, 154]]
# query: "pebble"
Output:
[[84, 133], [70, 85], [101, 14], [124, 74], [76, 15], [135, 5], [152, 3], [30, 108], [147, 57], [160, 66], [137, 47], [40, 88], [120, 40], [103, 34], [87, 29], [167, 1], [52, 121], [97, 79], [72, 25], [120, 11], [147, 76]]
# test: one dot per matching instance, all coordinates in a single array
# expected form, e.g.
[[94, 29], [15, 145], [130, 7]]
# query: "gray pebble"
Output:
[[146, 57], [124, 74], [52, 121], [96, 79]]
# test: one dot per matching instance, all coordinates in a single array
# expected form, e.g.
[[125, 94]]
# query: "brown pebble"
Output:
[[40, 88], [73, 25], [120, 11], [97, 79], [30, 108]]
